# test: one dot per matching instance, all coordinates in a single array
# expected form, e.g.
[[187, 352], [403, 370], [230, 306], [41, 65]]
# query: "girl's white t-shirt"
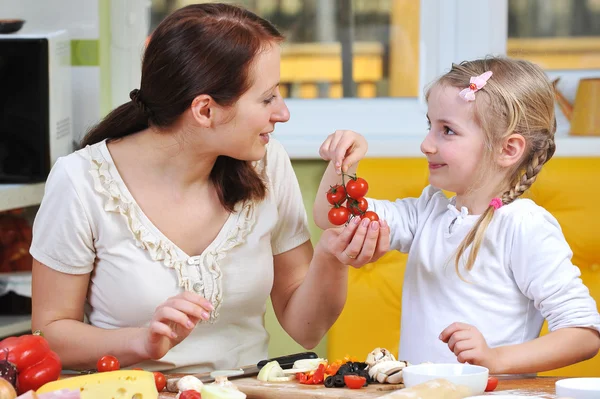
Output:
[[522, 275], [88, 222]]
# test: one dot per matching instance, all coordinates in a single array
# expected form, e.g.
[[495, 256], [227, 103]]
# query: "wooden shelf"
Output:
[[13, 196]]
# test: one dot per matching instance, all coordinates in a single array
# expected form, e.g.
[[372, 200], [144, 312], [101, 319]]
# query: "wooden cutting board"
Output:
[[256, 389], [541, 387]]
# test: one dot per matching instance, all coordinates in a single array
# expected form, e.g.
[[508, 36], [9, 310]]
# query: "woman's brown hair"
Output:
[[518, 98], [198, 49]]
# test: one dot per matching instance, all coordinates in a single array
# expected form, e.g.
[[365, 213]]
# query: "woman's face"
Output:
[[246, 132]]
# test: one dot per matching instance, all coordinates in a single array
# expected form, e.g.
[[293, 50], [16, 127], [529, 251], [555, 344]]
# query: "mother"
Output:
[[180, 215]]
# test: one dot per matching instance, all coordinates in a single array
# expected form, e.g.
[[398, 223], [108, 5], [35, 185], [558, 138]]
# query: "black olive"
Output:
[[338, 381], [329, 383]]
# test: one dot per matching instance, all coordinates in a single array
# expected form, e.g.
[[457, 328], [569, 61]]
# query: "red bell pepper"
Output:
[[36, 364]]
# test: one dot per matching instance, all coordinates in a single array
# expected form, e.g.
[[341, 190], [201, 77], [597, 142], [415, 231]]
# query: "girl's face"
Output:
[[246, 131], [454, 145]]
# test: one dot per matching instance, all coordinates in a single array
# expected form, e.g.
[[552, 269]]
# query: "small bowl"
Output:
[[11, 25], [578, 388], [473, 377], [504, 397]]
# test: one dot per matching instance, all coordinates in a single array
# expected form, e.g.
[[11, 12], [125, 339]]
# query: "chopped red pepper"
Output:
[[301, 377], [319, 375]]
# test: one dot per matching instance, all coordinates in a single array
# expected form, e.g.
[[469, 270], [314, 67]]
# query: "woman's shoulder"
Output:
[[276, 152], [276, 162], [74, 168]]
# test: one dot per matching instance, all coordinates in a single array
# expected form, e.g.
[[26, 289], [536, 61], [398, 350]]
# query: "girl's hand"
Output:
[[344, 148], [358, 243], [173, 321], [469, 345]]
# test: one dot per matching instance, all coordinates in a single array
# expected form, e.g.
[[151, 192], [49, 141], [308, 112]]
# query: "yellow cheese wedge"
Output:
[[120, 384]]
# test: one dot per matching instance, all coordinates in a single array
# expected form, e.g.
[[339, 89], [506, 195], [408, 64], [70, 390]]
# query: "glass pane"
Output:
[[557, 34], [553, 18], [338, 48]]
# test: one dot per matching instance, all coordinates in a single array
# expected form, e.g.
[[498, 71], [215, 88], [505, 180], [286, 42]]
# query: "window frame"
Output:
[[394, 126]]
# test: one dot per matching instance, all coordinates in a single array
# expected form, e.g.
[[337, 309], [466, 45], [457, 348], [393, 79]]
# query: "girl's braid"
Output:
[[538, 159]]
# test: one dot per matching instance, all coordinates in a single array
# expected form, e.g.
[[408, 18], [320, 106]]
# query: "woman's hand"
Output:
[[345, 148], [173, 321], [360, 242], [469, 345]]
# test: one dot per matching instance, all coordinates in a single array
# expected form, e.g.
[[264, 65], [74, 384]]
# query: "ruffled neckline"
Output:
[[207, 279]]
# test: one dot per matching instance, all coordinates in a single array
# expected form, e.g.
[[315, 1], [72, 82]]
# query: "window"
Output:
[[556, 34], [338, 48]]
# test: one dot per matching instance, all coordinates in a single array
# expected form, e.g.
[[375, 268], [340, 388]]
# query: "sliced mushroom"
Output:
[[379, 355], [388, 371]]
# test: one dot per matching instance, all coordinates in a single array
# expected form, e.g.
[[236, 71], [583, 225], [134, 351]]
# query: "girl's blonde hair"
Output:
[[518, 98]]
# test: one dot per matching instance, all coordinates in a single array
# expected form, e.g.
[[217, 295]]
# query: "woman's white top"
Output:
[[523, 274], [88, 222]]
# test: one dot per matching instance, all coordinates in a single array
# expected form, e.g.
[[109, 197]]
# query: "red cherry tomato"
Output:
[[492, 384], [371, 215], [159, 380], [190, 394], [354, 381], [339, 215], [357, 206], [108, 363], [357, 188], [336, 194]]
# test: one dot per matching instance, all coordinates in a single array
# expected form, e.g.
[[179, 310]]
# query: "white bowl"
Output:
[[579, 388], [474, 377], [504, 397]]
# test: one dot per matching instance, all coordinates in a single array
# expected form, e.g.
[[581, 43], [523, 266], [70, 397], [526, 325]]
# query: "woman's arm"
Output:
[[309, 291], [57, 310], [321, 206]]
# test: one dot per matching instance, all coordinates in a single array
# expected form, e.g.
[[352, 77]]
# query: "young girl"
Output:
[[485, 267]]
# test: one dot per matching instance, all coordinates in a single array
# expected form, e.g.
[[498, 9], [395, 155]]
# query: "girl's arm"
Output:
[[540, 261], [344, 149], [557, 349]]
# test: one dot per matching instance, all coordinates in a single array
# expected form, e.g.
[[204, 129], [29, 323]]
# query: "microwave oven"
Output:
[[35, 104]]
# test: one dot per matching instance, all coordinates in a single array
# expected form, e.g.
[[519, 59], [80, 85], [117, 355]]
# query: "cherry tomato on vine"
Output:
[[107, 363], [492, 384], [357, 188], [336, 194], [357, 206], [338, 215], [370, 215], [354, 381], [159, 380]]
